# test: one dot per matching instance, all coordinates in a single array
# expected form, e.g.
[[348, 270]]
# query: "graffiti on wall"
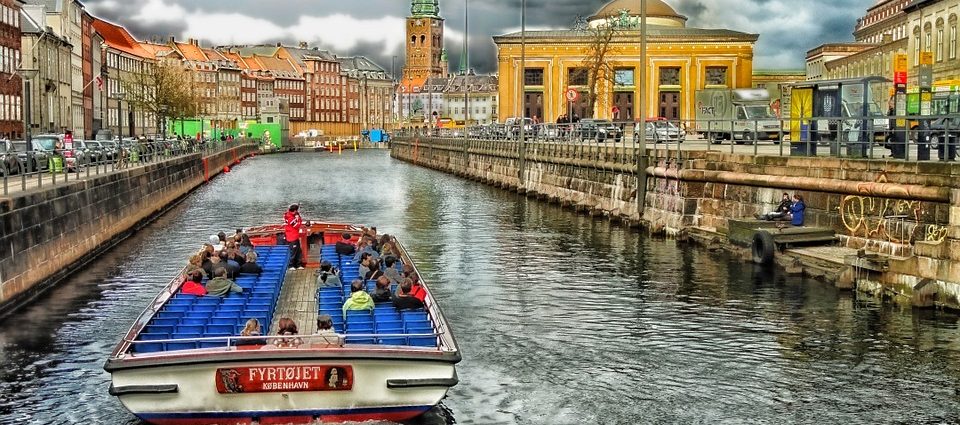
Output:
[[891, 220]]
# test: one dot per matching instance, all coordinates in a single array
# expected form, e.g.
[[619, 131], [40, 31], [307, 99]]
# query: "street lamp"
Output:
[[28, 75], [119, 96]]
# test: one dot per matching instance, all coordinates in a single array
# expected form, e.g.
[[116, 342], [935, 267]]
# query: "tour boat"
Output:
[[183, 361]]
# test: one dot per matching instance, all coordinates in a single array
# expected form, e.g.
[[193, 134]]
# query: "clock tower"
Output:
[[424, 41]]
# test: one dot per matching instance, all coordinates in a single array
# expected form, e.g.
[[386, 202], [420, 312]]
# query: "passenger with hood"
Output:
[[292, 228], [329, 277], [359, 298]]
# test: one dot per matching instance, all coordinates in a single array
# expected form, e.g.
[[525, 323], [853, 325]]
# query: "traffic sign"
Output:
[[572, 95], [926, 58]]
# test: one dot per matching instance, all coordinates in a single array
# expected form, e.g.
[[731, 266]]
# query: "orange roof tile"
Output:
[[412, 86], [191, 52], [119, 38], [233, 56]]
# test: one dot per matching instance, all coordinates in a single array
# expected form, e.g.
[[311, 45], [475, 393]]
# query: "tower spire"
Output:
[[425, 9]]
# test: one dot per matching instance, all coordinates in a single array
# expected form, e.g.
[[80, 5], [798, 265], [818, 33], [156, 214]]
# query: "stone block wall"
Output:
[[47, 232]]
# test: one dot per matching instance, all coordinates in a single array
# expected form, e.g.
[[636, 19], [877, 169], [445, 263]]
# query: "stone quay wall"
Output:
[[907, 213], [49, 232]]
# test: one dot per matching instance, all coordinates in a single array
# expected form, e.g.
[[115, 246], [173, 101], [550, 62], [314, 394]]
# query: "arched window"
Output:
[[916, 46], [939, 52], [952, 38], [423, 39], [413, 39]]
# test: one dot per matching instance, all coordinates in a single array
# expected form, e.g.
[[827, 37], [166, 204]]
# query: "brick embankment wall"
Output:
[[47, 233], [907, 212]]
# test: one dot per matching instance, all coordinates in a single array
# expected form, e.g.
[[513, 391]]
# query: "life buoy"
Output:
[[763, 247]]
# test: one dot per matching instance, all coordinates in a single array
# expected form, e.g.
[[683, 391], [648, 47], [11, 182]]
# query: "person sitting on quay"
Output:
[[359, 298], [390, 270], [345, 246], [797, 210], [286, 326], [250, 265], [252, 329], [780, 212], [193, 284], [405, 300], [325, 332], [220, 286], [329, 277], [381, 293]]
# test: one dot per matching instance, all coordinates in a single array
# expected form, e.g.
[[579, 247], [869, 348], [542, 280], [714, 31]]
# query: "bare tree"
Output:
[[599, 70], [162, 89]]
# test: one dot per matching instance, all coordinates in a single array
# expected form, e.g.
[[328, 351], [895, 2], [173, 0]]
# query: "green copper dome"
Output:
[[425, 8]]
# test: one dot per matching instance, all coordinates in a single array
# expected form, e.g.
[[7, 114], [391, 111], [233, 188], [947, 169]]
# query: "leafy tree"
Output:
[[162, 89]]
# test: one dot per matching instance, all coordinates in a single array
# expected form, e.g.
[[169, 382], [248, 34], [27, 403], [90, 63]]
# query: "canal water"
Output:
[[562, 319]]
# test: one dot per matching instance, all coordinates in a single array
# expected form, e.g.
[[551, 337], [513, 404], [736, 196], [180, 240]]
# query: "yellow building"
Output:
[[680, 60]]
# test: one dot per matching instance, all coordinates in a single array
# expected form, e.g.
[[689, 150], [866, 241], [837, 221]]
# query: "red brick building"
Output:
[[11, 86]]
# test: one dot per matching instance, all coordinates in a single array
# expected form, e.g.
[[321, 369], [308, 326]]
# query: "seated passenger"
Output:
[[418, 292], [374, 273], [359, 298], [345, 246], [381, 293], [220, 286], [329, 276], [364, 265], [405, 299], [192, 285], [196, 263], [252, 329], [215, 243], [325, 332], [287, 326], [386, 246], [365, 247], [232, 266], [250, 266], [391, 272], [245, 244], [211, 262]]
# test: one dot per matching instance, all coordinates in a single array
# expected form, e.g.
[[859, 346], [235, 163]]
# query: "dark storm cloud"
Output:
[[787, 28]]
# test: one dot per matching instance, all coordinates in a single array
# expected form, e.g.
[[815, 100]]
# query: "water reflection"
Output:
[[562, 318]]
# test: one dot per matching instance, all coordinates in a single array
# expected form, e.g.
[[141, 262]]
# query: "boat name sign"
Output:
[[284, 379]]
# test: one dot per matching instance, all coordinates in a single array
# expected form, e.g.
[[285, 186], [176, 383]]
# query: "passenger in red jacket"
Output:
[[292, 228], [192, 285]]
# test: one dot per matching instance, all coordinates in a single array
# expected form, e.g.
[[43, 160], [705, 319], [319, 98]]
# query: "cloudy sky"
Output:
[[787, 28]]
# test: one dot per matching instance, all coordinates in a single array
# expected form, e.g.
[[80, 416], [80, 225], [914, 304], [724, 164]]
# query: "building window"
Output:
[[916, 46], [624, 77], [952, 41], [577, 76], [716, 76], [533, 77], [939, 52], [669, 76]]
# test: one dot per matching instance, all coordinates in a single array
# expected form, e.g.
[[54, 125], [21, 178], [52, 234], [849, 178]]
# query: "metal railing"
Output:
[[285, 341], [36, 168], [908, 138]]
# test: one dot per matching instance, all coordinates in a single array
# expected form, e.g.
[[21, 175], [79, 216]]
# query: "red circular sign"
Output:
[[572, 95]]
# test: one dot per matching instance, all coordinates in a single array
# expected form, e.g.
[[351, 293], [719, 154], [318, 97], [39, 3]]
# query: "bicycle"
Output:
[[121, 162]]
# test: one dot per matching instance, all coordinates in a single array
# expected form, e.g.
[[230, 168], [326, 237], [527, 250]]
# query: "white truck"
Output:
[[738, 115]]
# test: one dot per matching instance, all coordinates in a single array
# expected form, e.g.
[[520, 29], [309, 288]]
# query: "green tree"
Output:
[[162, 89]]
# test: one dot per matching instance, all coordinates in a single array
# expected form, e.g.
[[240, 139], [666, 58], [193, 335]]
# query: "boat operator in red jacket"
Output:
[[292, 229]]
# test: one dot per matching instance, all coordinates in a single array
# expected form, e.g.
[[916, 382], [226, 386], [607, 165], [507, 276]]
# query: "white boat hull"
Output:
[[189, 394]]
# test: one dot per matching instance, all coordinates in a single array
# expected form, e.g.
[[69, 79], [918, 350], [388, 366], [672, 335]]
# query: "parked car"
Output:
[[31, 159], [599, 130], [9, 162], [109, 149], [54, 144], [661, 130], [513, 126], [944, 133], [92, 150]]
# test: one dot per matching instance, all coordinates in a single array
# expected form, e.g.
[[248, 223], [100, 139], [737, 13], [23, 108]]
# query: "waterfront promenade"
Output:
[[906, 214]]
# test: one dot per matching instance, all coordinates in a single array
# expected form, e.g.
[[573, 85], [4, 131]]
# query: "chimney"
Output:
[[304, 45], [173, 39], [279, 44]]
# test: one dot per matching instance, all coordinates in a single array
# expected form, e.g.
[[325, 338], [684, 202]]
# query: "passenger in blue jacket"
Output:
[[797, 210]]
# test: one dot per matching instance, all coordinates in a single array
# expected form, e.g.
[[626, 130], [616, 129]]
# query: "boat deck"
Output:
[[298, 301]]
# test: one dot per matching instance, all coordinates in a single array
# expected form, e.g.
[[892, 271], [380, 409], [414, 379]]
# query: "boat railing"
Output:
[[168, 291], [447, 340], [232, 341]]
